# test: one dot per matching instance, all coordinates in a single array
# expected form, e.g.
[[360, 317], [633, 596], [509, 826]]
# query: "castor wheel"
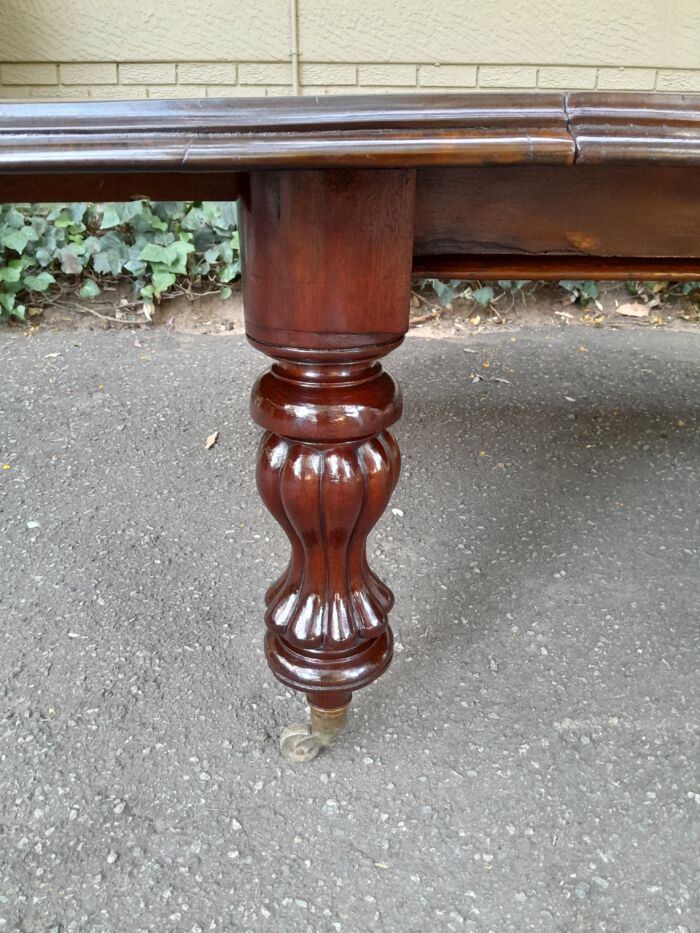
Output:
[[302, 741], [298, 743]]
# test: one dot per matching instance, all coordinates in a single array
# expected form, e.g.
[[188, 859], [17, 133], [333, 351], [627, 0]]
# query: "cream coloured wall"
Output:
[[99, 49]]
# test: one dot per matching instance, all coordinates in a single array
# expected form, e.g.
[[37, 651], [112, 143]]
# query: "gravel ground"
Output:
[[528, 763]]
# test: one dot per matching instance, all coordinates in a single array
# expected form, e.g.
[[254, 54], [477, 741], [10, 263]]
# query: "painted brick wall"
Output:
[[74, 49], [110, 80]]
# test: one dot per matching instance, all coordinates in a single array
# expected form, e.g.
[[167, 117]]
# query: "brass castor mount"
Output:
[[301, 742]]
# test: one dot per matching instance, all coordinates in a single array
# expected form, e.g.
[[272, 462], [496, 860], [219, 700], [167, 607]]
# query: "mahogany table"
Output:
[[342, 201]]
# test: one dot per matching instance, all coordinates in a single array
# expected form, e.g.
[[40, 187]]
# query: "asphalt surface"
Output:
[[529, 762]]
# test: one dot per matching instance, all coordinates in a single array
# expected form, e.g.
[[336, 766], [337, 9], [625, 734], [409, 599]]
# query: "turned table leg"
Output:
[[327, 258], [326, 478]]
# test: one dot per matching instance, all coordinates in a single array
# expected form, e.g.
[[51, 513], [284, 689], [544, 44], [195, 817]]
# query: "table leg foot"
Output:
[[301, 742]]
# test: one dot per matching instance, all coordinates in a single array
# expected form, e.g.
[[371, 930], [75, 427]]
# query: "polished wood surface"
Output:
[[393, 131], [327, 256], [238, 135], [635, 127], [326, 294], [342, 200]]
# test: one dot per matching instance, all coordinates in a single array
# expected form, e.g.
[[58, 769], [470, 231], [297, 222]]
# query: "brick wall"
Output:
[[56, 49], [109, 80]]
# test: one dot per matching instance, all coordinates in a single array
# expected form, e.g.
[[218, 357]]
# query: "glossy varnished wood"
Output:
[[220, 135], [327, 256], [327, 267], [648, 128], [341, 201], [289, 114]]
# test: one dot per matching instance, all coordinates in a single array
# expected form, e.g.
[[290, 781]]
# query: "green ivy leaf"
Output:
[[152, 252], [113, 253], [66, 221], [223, 215], [135, 266], [12, 271], [14, 218], [17, 239], [483, 296], [197, 239], [225, 292], [38, 283], [77, 211], [131, 209], [110, 217], [89, 289], [173, 256], [71, 263], [43, 255], [445, 291], [193, 219], [162, 280], [229, 271]]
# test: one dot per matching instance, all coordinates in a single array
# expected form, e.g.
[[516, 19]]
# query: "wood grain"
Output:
[[588, 210], [341, 200], [327, 257], [327, 265], [552, 268]]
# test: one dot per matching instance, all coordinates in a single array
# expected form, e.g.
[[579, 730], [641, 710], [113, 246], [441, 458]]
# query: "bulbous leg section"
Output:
[[327, 466], [327, 498]]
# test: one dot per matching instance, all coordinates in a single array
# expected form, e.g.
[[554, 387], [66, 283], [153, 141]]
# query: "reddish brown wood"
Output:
[[337, 197], [214, 136], [121, 186], [238, 135], [327, 464], [327, 257], [587, 210], [494, 266], [630, 128], [146, 119], [327, 615]]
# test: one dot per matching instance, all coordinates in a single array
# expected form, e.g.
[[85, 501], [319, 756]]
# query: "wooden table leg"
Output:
[[327, 265]]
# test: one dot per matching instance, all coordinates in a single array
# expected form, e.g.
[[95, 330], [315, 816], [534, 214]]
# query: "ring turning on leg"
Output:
[[327, 466], [327, 271]]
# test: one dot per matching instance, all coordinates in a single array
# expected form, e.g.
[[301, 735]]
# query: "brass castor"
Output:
[[303, 741]]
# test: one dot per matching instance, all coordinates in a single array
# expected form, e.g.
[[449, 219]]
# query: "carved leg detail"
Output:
[[327, 499], [327, 467], [327, 258]]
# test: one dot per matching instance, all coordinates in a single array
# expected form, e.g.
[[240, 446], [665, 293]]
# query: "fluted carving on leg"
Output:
[[327, 499], [327, 466]]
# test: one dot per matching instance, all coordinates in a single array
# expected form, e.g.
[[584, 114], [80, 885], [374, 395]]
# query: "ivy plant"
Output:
[[159, 246], [483, 295]]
